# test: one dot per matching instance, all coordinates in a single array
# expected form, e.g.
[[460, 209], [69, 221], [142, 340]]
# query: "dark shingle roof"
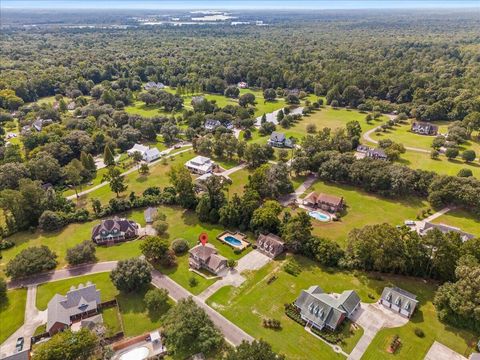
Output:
[[400, 297]]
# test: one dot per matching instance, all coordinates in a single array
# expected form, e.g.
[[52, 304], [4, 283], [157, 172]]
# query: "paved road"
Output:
[[63, 274], [105, 183], [232, 333], [33, 319]]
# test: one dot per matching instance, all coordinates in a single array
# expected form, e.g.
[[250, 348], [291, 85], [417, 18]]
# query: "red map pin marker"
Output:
[[203, 238]]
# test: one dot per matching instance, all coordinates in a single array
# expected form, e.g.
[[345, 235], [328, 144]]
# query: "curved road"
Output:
[[366, 136], [233, 334]]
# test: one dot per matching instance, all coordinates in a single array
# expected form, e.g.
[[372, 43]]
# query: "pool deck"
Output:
[[310, 209], [239, 236]]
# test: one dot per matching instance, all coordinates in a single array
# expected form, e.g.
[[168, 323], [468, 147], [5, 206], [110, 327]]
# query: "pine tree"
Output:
[[108, 158], [264, 119]]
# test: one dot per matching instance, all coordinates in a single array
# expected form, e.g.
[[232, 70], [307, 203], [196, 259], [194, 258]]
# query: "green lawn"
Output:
[[461, 219], [363, 209], [413, 347], [328, 117], [140, 108], [12, 312], [138, 183], [182, 224], [256, 300], [112, 321], [69, 236], [401, 133], [134, 316], [441, 166]]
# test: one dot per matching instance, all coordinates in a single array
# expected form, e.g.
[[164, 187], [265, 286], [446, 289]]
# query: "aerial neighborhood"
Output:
[[239, 184]]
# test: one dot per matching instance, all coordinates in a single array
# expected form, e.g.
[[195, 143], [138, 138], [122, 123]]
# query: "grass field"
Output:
[[140, 108], [256, 300], [12, 312], [363, 209], [138, 183], [69, 236], [134, 316], [182, 224], [414, 347], [401, 133], [112, 321], [442, 166], [328, 117]]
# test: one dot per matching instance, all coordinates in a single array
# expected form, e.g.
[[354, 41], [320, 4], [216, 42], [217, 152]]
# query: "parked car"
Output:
[[19, 345]]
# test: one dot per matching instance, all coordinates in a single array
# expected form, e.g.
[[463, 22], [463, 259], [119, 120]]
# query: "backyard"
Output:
[[461, 219], [12, 312], [363, 209], [134, 316], [257, 299]]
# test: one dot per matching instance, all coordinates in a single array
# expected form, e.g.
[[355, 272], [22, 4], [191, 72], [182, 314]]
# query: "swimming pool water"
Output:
[[138, 353], [232, 241], [319, 216]]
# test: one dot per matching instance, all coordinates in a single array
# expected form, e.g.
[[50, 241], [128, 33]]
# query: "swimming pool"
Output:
[[232, 240], [319, 216], [138, 353]]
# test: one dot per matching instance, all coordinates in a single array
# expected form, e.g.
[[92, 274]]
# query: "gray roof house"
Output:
[[378, 154], [323, 310], [153, 85], [206, 257], [278, 139], [271, 245], [428, 226], [399, 300], [149, 214], [77, 303], [424, 128]]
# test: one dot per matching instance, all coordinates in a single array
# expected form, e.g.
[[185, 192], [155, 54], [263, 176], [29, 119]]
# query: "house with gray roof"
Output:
[[206, 257], [278, 139], [322, 310], [153, 85], [270, 245], [78, 303], [399, 300], [425, 227], [149, 214], [424, 128]]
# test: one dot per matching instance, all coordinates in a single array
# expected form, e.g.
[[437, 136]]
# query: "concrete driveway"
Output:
[[372, 318], [33, 319], [441, 352]]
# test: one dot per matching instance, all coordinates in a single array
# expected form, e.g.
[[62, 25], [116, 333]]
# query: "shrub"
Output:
[[419, 332], [192, 281], [180, 246], [131, 275], [271, 279], [231, 263], [50, 221], [6, 244], [311, 128], [160, 226], [272, 324], [81, 253], [156, 299], [32, 260], [3, 289], [465, 173], [292, 267]]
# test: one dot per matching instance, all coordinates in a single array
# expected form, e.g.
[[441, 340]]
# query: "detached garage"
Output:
[[399, 300]]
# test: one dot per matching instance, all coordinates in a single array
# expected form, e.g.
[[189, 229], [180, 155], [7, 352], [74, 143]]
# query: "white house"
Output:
[[200, 165], [242, 85], [148, 154]]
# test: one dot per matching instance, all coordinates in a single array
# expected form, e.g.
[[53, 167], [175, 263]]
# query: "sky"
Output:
[[237, 5]]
